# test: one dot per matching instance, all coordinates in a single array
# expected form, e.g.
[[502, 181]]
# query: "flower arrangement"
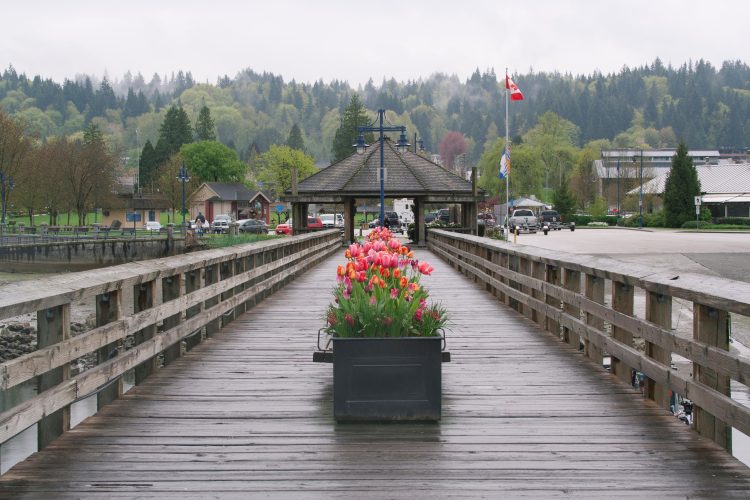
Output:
[[378, 292]]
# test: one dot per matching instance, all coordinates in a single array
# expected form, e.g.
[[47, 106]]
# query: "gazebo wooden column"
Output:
[[419, 226], [299, 217], [349, 213]]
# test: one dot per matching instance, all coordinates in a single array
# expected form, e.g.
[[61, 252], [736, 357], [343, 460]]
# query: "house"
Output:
[[138, 208], [725, 188], [233, 198]]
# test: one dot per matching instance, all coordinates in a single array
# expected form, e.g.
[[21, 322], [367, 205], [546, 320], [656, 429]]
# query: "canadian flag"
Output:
[[515, 94]]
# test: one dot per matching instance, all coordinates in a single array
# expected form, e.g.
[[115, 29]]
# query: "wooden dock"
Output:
[[247, 414]]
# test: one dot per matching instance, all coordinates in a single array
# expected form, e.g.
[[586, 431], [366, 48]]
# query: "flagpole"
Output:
[[507, 135]]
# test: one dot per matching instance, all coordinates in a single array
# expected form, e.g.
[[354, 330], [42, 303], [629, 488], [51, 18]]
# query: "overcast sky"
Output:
[[356, 40]]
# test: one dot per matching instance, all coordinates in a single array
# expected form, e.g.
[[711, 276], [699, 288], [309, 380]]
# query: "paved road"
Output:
[[718, 254]]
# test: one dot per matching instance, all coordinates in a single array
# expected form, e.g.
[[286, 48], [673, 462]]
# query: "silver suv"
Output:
[[221, 224]]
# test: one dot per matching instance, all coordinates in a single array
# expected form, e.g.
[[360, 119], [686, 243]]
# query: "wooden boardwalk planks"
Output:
[[248, 414]]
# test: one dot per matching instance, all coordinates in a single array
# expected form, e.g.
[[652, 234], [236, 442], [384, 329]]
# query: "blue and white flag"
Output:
[[505, 165]]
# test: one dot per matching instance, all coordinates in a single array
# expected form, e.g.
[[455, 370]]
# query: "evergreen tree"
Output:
[[681, 187], [93, 135], [205, 129], [563, 200], [147, 165], [294, 140], [175, 131], [346, 135]]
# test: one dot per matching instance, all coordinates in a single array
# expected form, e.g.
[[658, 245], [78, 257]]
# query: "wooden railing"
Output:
[[565, 294], [174, 299]]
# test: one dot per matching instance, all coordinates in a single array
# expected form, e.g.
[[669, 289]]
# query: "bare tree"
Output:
[[14, 146]]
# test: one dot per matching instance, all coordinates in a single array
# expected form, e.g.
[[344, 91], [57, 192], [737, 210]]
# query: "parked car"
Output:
[[314, 222], [284, 227], [444, 215], [551, 218], [252, 226], [221, 223], [152, 225], [525, 220], [430, 217], [332, 220]]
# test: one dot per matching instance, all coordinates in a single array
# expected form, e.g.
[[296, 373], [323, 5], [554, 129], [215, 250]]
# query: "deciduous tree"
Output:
[[452, 145], [276, 166], [212, 161], [14, 147]]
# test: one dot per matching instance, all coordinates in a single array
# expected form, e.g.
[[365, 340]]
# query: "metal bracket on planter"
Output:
[[323, 354], [445, 356]]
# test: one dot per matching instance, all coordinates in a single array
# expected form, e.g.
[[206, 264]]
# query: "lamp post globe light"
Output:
[[402, 145], [183, 177]]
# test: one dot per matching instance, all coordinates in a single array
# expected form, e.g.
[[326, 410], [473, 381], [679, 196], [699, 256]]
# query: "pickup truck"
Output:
[[551, 218], [524, 220]]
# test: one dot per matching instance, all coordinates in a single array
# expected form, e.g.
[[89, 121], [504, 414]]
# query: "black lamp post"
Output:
[[5, 189], [402, 146], [183, 177]]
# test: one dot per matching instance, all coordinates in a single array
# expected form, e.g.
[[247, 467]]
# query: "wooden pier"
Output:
[[247, 414]]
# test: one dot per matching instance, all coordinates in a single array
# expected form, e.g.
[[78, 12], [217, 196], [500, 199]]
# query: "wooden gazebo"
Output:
[[407, 175]]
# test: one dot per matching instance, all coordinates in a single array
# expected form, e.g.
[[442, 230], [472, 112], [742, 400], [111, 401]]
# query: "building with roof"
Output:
[[233, 198], [619, 170], [134, 207], [356, 179], [725, 188]]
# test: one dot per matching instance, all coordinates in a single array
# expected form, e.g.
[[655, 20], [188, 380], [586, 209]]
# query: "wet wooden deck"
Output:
[[248, 414]]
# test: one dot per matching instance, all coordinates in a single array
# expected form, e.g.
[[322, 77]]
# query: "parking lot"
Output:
[[719, 254]]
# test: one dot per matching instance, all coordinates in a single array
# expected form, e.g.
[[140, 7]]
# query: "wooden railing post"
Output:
[[108, 309], [53, 326], [143, 298], [622, 301], [192, 282], [211, 276], [172, 287], [524, 267], [239, 268], [659, 312], [710, 327], [552, 276], [572, 283], [537, 272], [226, 270], [594, 292]]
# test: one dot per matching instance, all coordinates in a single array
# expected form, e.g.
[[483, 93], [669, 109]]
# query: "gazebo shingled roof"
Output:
[[408, 175]]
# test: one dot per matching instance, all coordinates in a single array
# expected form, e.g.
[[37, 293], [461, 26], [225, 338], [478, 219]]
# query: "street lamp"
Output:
[[418, 143], [183, 177], [640, 195], [402, 146], [5, 189]]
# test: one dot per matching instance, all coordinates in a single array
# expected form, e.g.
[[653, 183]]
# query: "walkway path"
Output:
[[248, 414]]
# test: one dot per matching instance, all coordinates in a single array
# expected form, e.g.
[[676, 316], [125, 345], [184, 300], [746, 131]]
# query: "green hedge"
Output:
[[737, 221]]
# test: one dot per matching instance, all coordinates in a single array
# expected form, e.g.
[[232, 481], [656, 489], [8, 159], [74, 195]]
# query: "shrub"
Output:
[[738, 221]]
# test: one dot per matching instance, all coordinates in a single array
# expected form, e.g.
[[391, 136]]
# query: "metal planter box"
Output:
[[387, 379]]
